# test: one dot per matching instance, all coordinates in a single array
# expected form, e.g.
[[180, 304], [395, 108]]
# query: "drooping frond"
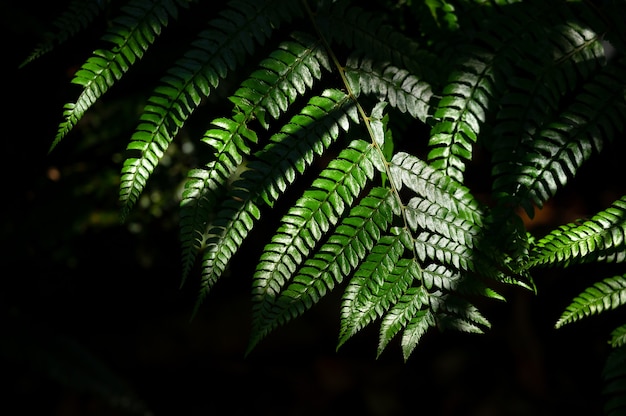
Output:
[[78, 16], [196, 207], [567, 55], [411, 315], [447, 280], [460, 113], [132, 34], [286, 74], [601, 238], [378, 283], [618, 337], [308, 220], [560, 148], [340, 254], [444, 216], [217, 50], [273, 169], [415, 174], [605, 295], [525, 92], [456, 313]]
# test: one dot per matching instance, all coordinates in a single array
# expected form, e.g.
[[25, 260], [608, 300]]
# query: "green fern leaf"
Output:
[[414, 331], [269, 174], [456, 323], [445, 217], [563, 146], [132, 34], [460, 114], [439, 277], [408, 170], [282, 71], [396, 86], [605, 295], [573, 54], [422, 214], [217, 50], [377, 284], [618, 337], [342, 252], [459, 314], [602, 238], [196, 205], [311, 217], [307, 134], [408, 314], [285, 75]]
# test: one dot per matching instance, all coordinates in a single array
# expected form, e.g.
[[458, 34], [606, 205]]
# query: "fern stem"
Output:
[[364, 116]]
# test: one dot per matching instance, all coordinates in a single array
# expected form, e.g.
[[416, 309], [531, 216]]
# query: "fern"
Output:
[[377, 284], [602, 296], [132, 33], [599, 239], [271, 178], [618, 336], [218, 49], [369, 133]]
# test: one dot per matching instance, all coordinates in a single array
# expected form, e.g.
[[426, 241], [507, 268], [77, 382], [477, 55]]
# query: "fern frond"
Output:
[[132, 34], [446, 232], [78, 15], [308, 220], [572, 55], [388, 83], [454, 312], [560, 149], [602, 238], [222, 47], [439, 277], [417, 327], [266, 177], [618, 337], [408, 170], [231, 139], [422, 214], [605, 295], [340, 254], [409, 314], [284, 76], [377, 284], [196, 205], [315, 213], [460, 113]]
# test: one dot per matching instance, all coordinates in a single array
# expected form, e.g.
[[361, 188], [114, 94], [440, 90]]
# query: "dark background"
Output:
[[95, 322]]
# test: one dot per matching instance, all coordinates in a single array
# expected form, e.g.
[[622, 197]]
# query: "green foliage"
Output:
[[373, 127]]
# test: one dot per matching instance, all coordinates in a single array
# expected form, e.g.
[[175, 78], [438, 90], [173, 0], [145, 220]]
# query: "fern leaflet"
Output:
[[132, 34], [607, 294], [217, 50], [290, 151], [339, 255], [377, 284], [602, 238]]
